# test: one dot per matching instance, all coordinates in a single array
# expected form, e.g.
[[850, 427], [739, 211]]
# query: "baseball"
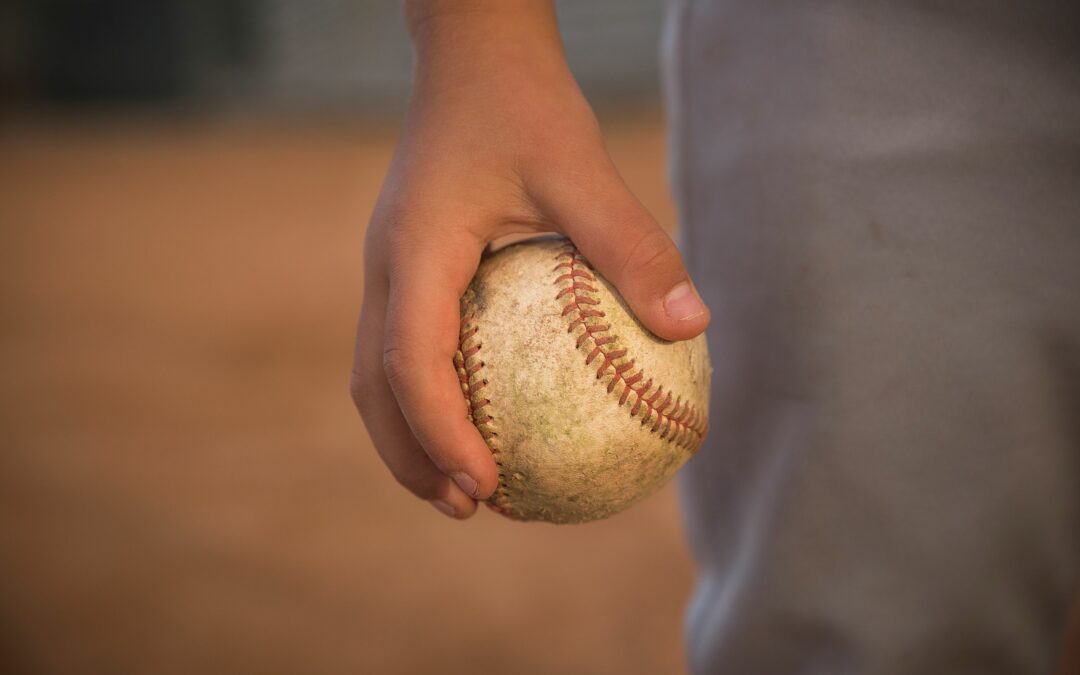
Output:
[[585, 411]]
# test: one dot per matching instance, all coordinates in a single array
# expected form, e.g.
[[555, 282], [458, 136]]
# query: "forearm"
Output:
[[460, 41]]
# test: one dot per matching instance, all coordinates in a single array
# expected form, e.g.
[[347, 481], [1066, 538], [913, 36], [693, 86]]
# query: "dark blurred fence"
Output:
[[293, 55]]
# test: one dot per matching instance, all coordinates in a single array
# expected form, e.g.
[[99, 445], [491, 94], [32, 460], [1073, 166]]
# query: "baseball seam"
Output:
[[469, 364], [673, 418]]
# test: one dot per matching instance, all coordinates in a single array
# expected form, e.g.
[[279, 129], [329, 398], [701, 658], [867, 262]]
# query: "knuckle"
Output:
[[651, 255], [395, 363]]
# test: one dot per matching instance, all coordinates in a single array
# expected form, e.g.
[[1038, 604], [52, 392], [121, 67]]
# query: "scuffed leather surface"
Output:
[[567, 450]]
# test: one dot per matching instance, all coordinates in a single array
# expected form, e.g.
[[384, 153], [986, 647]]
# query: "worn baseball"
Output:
[[585, 411]]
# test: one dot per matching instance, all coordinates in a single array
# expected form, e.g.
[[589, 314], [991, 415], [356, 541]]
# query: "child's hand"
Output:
[[497, 140]]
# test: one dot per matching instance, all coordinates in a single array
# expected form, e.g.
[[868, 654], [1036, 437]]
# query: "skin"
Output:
[[497, 140]]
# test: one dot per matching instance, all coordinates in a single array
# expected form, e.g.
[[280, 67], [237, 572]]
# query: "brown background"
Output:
[[184, 485]]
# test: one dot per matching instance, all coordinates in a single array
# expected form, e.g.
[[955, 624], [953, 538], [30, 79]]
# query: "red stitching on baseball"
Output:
[[681, 424], [468, 364]]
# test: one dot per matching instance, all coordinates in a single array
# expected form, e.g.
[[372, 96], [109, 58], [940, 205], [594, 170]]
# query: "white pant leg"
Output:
[[881, 203]]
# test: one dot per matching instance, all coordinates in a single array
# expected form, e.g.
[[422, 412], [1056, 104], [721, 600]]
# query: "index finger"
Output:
[[422, 335]]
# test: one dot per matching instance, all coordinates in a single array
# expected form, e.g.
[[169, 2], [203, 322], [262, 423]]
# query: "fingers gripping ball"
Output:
[[585, 411]]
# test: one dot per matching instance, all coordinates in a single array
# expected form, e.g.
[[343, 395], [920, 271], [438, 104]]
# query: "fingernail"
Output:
[[444, 507], [683, 302], [465, 482]]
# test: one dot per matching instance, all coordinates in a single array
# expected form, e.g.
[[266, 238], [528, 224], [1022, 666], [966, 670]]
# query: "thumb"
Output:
[[625, 244]]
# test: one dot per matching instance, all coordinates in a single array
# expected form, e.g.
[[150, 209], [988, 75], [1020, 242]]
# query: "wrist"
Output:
[[420, 14], [466, 40]]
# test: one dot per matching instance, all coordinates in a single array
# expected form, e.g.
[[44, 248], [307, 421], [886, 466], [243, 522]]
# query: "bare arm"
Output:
[[497, 140]]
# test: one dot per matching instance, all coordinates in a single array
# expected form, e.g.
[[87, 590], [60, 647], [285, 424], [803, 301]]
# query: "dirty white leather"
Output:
[[585, 411]]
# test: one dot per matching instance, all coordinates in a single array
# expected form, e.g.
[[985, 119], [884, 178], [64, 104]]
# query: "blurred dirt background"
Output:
[[184, 484]]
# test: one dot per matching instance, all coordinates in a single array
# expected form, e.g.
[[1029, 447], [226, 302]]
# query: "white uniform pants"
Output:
[[881, 203]]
